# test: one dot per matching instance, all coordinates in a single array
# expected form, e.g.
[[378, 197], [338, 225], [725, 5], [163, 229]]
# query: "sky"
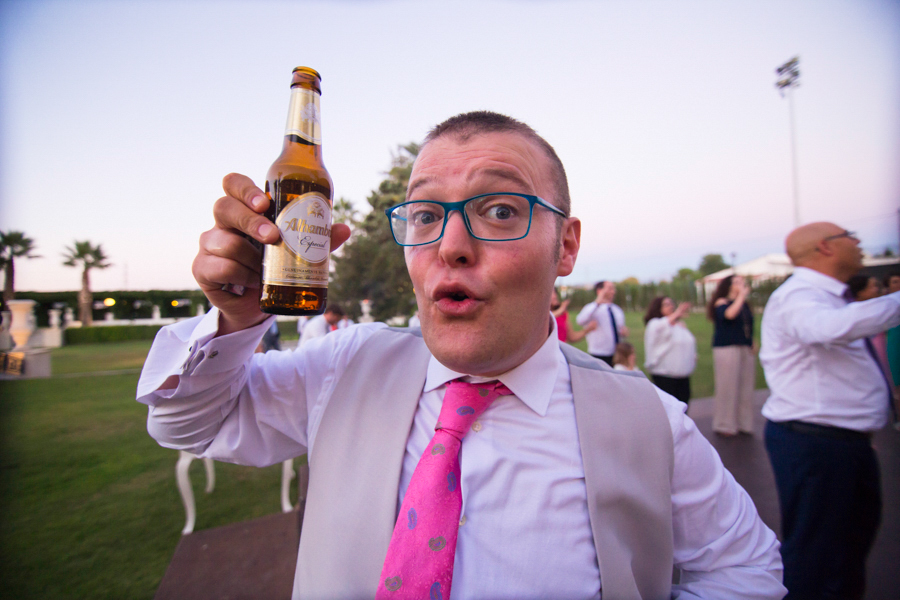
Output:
[[118, 119]]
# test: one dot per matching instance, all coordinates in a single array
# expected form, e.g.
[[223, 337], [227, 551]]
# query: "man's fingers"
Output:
[[232, 213], [242, 187], [340, 233], [213, 272], [227, 244]]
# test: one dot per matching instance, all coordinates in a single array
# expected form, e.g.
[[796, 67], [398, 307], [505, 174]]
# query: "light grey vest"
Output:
[[351, 508]]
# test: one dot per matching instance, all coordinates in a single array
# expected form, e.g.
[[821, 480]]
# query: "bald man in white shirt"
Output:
[[828, 394], [583, 483]]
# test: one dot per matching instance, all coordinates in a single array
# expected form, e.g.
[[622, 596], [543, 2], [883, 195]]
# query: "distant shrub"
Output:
[[288, 330], [120, 333]]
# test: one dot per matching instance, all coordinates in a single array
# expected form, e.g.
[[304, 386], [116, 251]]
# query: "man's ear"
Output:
[[824, 248], [568, 247]]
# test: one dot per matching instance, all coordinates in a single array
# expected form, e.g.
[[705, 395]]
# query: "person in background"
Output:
[[624, 357], [609, 328], [892, 342], [828, 395], [733, 357], [561, 314], [863, 287], [322, 324], [414, 320], [669, 347], [271, 339], [301, 322]]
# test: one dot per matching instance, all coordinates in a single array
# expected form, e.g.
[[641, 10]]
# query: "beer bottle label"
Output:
[[304, 116], [300, 259]]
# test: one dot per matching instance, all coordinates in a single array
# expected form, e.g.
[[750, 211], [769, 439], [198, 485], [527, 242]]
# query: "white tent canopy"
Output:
[[767, 267]]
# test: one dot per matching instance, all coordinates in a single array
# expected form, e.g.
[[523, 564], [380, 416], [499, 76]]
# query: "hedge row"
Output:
[[121, 333], [129, 304]]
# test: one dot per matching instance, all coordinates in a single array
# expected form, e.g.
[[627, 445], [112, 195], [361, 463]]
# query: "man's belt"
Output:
[[838, 433]]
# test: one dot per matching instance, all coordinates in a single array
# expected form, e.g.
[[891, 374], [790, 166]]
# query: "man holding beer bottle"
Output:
[[574, 480]]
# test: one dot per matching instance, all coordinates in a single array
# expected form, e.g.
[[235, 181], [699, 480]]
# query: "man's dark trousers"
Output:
[[829, 489], [606, 359]]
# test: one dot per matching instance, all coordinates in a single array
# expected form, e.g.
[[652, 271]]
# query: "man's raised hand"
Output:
[[227, 266]]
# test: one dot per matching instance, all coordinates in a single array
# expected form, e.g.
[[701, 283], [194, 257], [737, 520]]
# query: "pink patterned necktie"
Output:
[[419, 561]]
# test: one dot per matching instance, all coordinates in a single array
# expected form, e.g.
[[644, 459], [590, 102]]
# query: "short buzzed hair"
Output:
[[464, 126], [335, 309]]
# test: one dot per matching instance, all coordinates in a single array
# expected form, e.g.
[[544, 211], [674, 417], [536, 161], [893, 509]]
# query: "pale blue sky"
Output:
[[119, 119]]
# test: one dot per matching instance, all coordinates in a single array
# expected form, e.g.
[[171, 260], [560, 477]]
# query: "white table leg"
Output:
[[287, 474], [210, 475], [184, 488]]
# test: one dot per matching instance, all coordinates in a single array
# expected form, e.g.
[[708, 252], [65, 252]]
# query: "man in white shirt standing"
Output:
[[610, 320], [319, 325], [583, 482], [828, 394]]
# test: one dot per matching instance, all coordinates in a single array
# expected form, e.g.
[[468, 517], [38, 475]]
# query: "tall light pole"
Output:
[[788, 79]]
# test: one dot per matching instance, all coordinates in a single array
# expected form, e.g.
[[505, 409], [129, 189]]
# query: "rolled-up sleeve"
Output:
[[815, 321], [722, 547]]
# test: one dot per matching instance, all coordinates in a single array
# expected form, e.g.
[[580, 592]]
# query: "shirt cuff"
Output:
[[191, 347]]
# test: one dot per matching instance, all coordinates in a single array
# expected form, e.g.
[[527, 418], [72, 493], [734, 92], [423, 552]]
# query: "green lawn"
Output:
[[89, 503]]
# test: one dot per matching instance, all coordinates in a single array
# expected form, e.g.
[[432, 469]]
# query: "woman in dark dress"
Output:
[[734, 359]]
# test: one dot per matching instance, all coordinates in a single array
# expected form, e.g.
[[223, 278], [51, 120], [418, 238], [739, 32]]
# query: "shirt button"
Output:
[[476, 426], [462, 520], [214, 354]]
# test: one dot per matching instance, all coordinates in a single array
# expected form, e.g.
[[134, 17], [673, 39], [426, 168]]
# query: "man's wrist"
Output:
[[230, 325]]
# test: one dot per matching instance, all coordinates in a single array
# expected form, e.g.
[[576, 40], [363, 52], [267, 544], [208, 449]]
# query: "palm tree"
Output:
[[13, 244], [88, 257]]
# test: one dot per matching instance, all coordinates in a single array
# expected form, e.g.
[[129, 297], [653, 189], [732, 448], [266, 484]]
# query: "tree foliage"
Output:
[[711, 263], [687, 274], [87, 256], [371, 265], [13, 245]]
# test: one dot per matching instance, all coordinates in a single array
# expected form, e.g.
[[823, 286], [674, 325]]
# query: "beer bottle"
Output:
[[295, 269]]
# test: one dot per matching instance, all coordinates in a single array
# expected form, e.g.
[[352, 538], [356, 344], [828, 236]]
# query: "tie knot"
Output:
[[464, 402]]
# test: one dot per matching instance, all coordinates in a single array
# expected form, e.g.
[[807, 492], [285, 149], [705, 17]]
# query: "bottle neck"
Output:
[[303, 131]]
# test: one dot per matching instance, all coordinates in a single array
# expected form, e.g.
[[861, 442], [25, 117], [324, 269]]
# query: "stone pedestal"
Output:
[[48, 337], [366, 307], [22, 322], [5, 339], [28, 364]]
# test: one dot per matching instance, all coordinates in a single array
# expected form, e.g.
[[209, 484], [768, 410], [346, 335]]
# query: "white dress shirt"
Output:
[[671, 349], [814, 353], [601, 341], [525, 529]]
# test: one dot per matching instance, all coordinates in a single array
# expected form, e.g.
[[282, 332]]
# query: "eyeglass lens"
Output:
[[490, 217]]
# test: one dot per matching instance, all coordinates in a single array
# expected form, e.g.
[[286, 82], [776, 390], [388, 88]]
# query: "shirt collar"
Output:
[[532, 381], [821, 281]]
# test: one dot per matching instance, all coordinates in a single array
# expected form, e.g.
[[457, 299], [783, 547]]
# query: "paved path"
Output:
[[745, 456], [256, 558]]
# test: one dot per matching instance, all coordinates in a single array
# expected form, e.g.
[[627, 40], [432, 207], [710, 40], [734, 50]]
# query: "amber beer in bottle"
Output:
[[295, 269]]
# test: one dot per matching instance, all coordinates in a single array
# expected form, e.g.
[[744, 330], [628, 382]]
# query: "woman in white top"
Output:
[[670, 347]]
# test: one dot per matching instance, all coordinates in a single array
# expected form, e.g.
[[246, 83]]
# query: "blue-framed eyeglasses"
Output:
[[501, 217]]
